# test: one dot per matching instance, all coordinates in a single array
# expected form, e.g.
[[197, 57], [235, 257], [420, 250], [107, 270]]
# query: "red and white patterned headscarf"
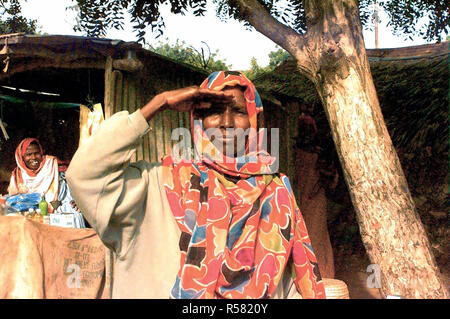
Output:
[[237, 238], [256, 160]]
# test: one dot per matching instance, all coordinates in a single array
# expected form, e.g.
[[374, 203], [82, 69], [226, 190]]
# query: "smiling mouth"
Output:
[[226, 138]]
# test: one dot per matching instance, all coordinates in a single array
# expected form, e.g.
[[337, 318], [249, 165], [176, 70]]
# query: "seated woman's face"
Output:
[[225, 117], [32, 157]]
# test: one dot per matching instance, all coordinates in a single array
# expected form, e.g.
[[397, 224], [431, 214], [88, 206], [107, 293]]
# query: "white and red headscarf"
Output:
[[44, 180]]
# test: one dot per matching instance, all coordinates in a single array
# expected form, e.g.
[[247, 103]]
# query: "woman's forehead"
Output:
[[32, 148], [238, 93]]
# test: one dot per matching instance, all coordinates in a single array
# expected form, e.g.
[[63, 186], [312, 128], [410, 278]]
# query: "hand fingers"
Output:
[[214, 96], [202, 105], [196, 94], [195, 98], [206, 98]]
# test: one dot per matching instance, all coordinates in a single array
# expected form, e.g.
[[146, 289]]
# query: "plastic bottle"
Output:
[[43, 206], [39, 216]]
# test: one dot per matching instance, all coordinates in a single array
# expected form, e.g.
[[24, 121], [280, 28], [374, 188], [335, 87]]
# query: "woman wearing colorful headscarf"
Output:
[[222, 225], [39, 173]]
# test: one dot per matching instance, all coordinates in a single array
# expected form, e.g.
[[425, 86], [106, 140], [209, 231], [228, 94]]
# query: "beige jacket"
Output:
[[127, 206]]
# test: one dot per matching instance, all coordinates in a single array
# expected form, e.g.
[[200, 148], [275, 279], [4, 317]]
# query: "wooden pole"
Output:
[[109, 87], [375, 15]]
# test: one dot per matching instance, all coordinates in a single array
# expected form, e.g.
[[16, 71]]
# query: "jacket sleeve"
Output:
[[111, 192]]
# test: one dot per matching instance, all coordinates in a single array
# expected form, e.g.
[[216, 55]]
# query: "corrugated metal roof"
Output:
[[66, 45], [49, 40]]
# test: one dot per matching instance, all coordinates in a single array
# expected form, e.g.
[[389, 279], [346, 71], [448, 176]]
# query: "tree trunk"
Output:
[[332, 55], [390, 227]]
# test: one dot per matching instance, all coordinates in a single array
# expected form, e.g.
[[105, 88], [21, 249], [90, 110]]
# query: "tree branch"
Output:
[[290, 40]]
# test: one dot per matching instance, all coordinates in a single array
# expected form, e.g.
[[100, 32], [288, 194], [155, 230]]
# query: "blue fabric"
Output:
[[22, 202]]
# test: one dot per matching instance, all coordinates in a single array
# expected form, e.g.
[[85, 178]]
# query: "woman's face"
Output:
[[32, 157], [230, 122]]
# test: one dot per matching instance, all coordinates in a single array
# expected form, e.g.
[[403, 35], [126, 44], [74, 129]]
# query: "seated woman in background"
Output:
[[39, 173]]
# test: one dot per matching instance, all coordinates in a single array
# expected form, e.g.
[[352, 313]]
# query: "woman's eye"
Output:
[[213, 111], [240, 111]]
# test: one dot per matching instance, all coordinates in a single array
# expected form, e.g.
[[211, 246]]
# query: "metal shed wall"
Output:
[[129, 91]]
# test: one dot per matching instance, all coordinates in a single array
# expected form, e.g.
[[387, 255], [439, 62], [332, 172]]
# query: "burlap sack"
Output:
[[43, 261]]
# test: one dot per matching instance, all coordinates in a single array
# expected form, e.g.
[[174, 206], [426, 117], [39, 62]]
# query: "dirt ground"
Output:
[[354, 274]]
